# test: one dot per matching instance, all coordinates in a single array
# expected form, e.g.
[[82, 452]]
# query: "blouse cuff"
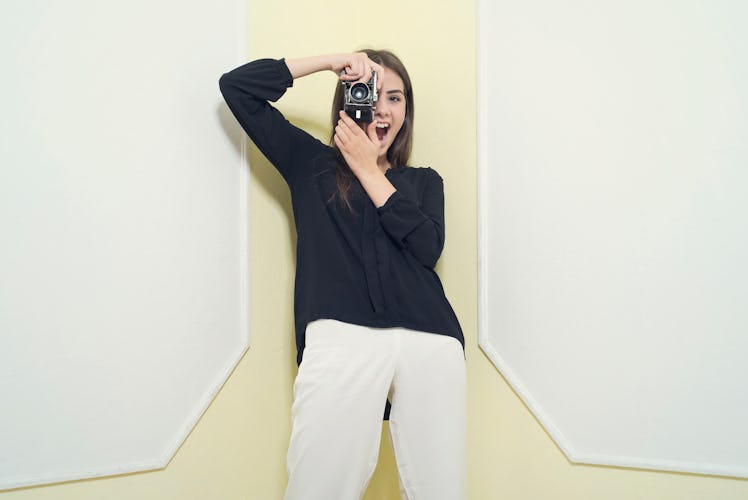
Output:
[[285, 72], [400, 216]]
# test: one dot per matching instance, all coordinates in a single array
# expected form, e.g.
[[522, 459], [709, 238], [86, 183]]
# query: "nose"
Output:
[[381, 108]]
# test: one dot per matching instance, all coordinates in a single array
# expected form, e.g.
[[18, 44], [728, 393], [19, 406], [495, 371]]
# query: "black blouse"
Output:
[[373, 267]]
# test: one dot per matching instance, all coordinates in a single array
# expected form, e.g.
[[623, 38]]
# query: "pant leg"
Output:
[[428, 419], [339, 395]]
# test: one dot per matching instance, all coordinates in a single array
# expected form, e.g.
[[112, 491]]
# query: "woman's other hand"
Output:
[[359, 146]]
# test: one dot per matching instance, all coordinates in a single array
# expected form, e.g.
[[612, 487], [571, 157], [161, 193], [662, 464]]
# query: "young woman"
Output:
[[372, 320]]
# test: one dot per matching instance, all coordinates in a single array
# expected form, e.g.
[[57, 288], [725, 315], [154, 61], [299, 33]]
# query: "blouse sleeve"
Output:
[[247, 90], [417, 227]]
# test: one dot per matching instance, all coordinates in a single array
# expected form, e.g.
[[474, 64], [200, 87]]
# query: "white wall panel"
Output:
[[613, 234], [123, 208]]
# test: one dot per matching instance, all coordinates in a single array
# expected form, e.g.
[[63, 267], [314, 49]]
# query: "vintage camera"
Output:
[[360, 98]]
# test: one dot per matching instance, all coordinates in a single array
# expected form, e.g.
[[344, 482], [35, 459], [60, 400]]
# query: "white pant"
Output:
[[345, 376]]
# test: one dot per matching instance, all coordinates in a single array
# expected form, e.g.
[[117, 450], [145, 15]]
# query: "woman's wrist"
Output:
[[377, 186], [304, 66]]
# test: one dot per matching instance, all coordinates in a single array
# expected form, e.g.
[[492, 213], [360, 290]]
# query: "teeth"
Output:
[[383, 125]]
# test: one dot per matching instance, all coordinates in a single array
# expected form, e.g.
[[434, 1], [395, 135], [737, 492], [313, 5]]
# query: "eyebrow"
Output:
[[395, 92]]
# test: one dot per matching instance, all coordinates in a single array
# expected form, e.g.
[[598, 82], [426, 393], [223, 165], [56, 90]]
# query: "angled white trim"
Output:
[[202, 402], [483, 21]]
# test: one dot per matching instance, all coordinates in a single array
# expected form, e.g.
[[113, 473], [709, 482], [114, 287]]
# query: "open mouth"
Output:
[[382, 130]]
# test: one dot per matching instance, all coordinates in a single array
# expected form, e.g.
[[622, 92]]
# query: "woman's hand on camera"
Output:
[[357, 67], [359, 147]]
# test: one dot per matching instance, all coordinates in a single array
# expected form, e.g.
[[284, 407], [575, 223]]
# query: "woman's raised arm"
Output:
[[357, 66]]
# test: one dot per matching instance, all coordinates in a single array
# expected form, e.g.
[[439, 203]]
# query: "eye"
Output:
[[395, 98]]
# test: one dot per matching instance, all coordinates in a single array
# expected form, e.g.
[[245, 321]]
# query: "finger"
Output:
[[362, 77], [380, 76], [342, 131], [341, 146], [351, 70], [352, 128], [371, 132], [344, 121], [339, 136], [366, 76]]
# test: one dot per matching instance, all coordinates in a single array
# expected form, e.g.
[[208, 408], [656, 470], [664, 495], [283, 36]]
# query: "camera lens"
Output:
[[359, 92]]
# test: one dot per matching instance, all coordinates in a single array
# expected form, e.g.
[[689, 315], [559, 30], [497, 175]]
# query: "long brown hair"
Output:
[[399, 152]]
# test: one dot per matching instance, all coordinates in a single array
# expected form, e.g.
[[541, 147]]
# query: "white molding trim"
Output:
[[162, 459], [484, 28]]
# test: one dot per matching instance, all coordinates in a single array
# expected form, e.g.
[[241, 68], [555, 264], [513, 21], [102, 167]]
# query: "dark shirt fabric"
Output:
[[373, 267]]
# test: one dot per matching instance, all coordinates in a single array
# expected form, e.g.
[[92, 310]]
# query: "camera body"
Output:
[[359, 99]]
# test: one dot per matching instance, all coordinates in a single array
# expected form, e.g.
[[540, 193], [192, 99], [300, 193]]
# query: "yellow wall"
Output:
[[237, 451]]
